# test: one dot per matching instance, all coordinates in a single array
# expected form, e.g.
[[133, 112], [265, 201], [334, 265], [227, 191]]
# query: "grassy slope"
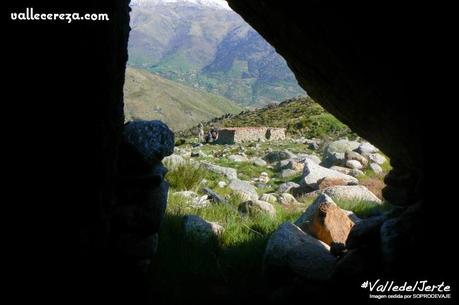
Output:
[[301, 116], [149, 96]]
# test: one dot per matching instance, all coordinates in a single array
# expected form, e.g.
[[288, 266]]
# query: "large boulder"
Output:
[[324, 220], [313, 172], [290, 249], [278, 156], [228, 172], [199, 229], [244, 189], [252, 207], [152, 139], [352, 193]]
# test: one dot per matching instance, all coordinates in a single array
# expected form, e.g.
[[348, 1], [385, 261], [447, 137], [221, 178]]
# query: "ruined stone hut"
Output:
[[233, 135]]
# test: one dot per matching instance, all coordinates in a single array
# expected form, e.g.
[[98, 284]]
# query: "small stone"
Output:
[[264, 178], [199, 229], [228, 172], [252, 207], [377, 158], [287, 186], [367, 148], [237, 158], [244, 189], [376, 168], [278, 156], [341, 169], [354, 164], [201, 202], [288, 173], [352, 155], [212, 196], [268, 198], [287, 199], [259, 162], [356, 173]]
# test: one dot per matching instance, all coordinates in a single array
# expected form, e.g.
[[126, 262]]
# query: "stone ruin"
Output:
[[233, 135]]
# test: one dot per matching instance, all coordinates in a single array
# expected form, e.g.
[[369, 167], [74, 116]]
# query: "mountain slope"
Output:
[[301, 116], [149, 97], [203, 44]]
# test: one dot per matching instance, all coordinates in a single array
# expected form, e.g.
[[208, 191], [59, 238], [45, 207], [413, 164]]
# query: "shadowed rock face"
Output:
[[354, 59]]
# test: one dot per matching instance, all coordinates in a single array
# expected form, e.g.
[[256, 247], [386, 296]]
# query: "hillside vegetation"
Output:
[[149, 97], [301, 116]]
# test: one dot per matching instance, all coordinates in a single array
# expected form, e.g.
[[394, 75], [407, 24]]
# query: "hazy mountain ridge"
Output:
[[205, 46]]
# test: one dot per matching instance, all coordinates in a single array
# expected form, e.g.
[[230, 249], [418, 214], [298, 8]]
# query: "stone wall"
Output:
[[249, 134]]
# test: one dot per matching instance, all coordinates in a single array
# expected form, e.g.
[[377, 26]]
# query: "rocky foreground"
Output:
[[307, 177]]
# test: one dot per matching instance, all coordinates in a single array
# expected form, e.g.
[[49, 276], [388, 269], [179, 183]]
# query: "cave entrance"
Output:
[[198, 66]]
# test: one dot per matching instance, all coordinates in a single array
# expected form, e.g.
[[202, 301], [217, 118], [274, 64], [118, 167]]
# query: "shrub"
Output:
[[186, 176]]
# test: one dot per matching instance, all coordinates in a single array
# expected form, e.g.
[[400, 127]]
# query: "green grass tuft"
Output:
[[186, 177]]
